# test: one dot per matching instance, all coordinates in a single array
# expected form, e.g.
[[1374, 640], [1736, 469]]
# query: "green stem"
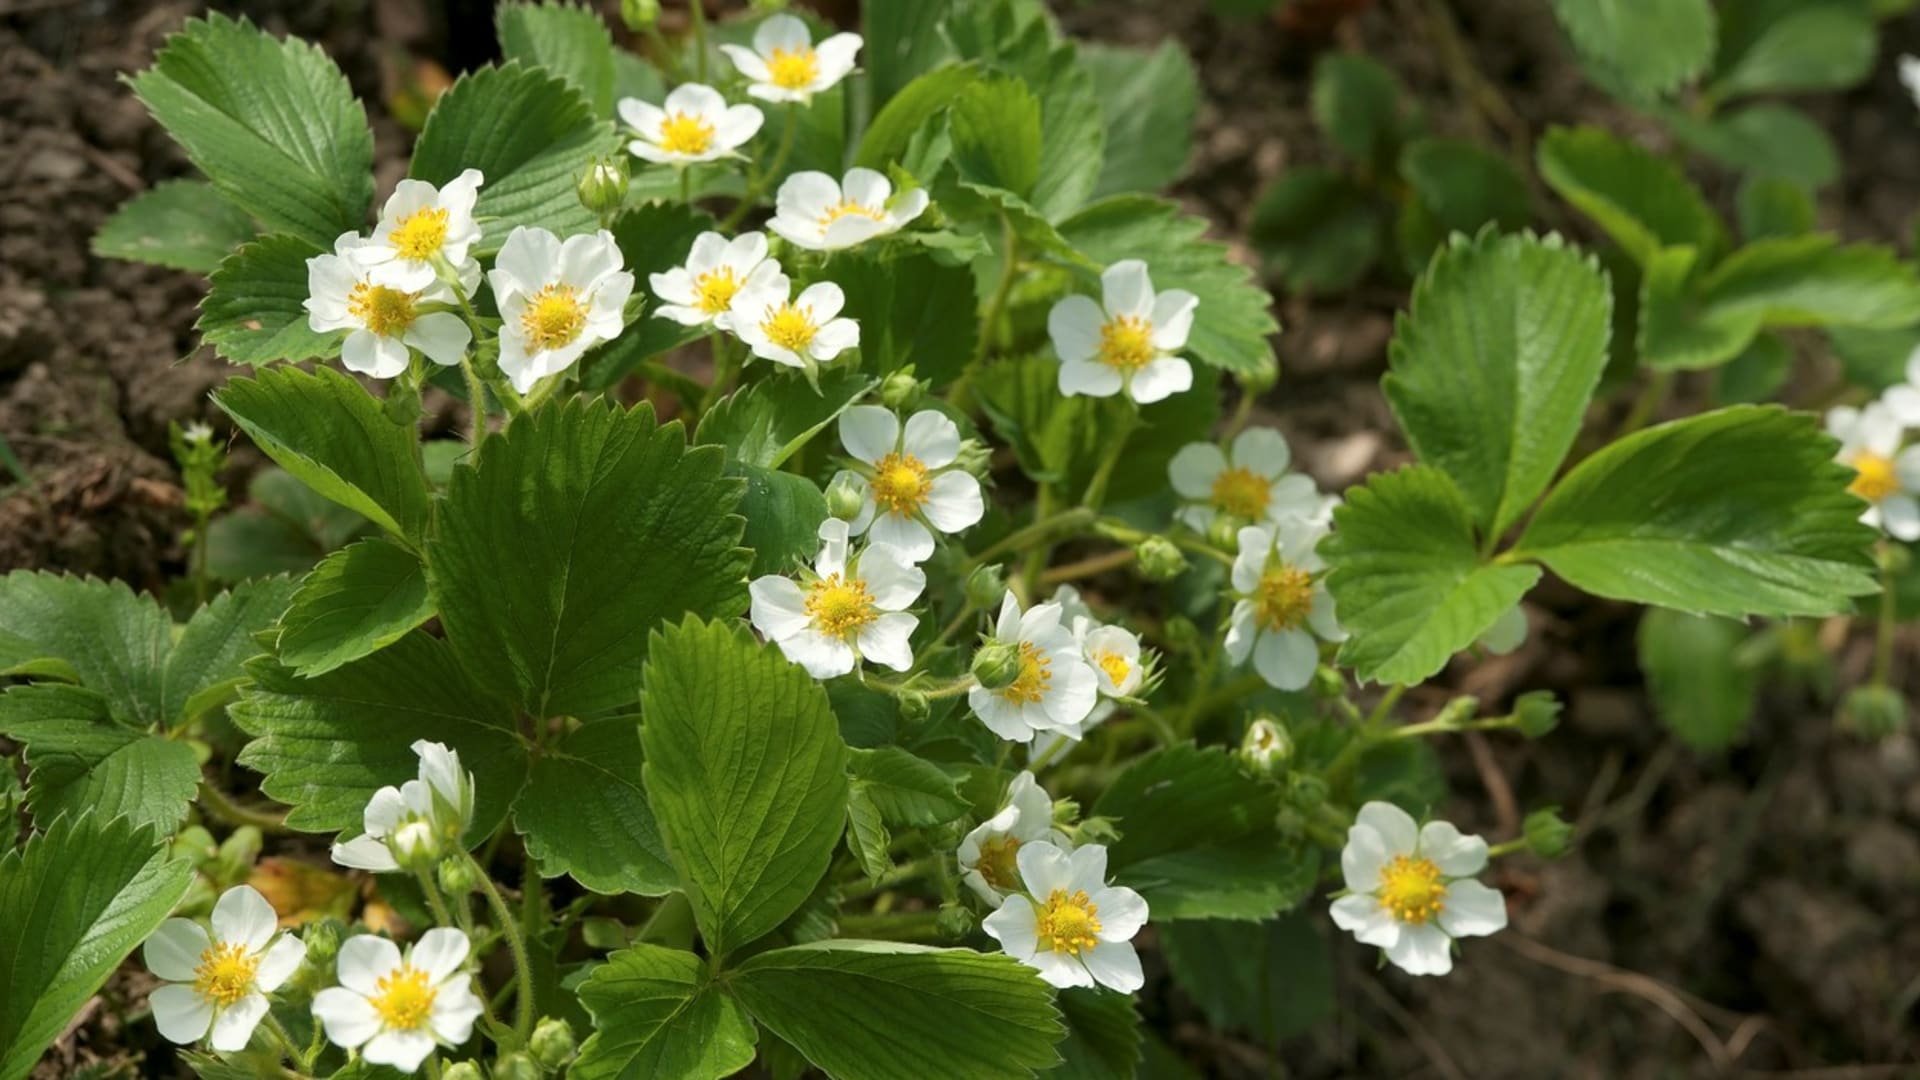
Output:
[[686, 184], [1096, 492], [698, 9], [438, 903], [281, 1036], [1652, 396], [990, 323], [899, 875], [516, 944], [221, 806], [1442, 725], [763, 178], [725, 371], [906, 926], [476, 401], [1203, 707], [1507, 848], [1366, 737], [1089, 566], [953, 626], [1042, 527], [201, 520]]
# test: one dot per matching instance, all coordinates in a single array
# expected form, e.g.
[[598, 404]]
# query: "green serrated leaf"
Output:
[[914, 44], [336, 438], [74, 902], [1318, 229], [359, 600], [867, 836], [254, 311], [1699, 687], [1274, 981], [1768, 139], [100, 634], [1494, 363], [1639, 49], [1773, 207], [271, 122], [571, 42], [870, 1010], [746, 773], [1644, 202], [79, 759], [1458, 187], [1793, 46], [184, 224], [1816, 281], [1408, 578], [1741, 511], [995, 125], [1356, 103], [1147, 103], [208, 661], [783, 511], [911, 310], [655, 1013], [907, 790], [767, 422], [584, 812], [1103, 1036], [911, 110], [580, 529]]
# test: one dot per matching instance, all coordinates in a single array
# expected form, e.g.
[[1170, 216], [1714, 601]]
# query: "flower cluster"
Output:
[[1886, 471], [413, 825]]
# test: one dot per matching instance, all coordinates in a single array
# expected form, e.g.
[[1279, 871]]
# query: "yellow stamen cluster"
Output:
[[840, 606], [684, 134], [849, 208], [1126, 343], [791, 327], [793, 70], [1068, 923], [1284, 597], [1877, 478], [420, 234], [1115, 665], [387, 312], [901, 483], [1242, 493], [403, 999], [1411, 889], [1035, 678], [714, 290], [225, 973], [999, 862], [554, 316]]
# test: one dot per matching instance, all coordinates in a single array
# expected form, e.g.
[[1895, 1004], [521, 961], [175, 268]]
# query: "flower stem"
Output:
[[222, 806], [1042, 527], [725, 371], [990, 323], [1096, 492], [437, 903], [516, 944], [906, 926], [763, 178], [686, 179], [698, 9], [476, 401]]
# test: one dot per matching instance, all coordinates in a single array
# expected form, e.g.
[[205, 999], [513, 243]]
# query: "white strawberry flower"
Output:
[[396, 1008], [1411, 890], [417, 821], [1886, 476], [1054, 689], [1903, 399], [1282, 603], [219, 982], [383, 322], [801, 332], [420, 223], [909, 484], [1248, 483], [717, 270], [1910, 76], [784, 63], [851, 608], [812, 211], [1070, 925], [987, 854], [557, 299], [1127, 341], [1114, 654], [694, 124]]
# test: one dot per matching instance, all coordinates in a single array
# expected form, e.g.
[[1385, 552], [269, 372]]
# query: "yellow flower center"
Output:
[[840, 606], [1876, 479], [901, 483], [1035, 678], [847, 207], [403, 999], [553, 317], [1283, 598], [420, 234], [1242, 493], [387, 312], [1068, 923], [794, 70], [1115, 665], [715, 289], [684, 134], [1411, 889], [790, 327], [225, 974], [1126, 343], [999, 863]]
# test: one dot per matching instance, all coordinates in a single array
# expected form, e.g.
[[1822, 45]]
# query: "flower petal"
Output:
[[243, 917], [1074, 325], [1362, 915], [280, 961], [404, 1050], [1044, 868], [1286, 658], [440, 952], [173, 951], [1262, 451], [1084, 378], [885, 640], [1161, 379], [1015, 926], [233, 1026], [1122, 913], [1194, 469], [905, 533], [1422, 950], [1473, 910], [932, 437], [1456, 854], [364, 960], [869, 432], [954, 502], [1172, 319], [1125, 289], [1115, 965], [349, 1018], [1399, 833], [181, 1015]]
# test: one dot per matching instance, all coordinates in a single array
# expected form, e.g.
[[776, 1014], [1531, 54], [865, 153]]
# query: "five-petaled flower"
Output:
[[909, 484], [1410, 888], [1282, 603], [1053, 689], [851, 608], [384, 321], [1127, 341], [987, 854], [411, 825], [1069, 924], [813, 212], [1886, 476], [396, 1008], [220, 981], [784, 63], [556, 298], [1248, 483], [717, 270], [422, 225], [802, 331], [693, 125]]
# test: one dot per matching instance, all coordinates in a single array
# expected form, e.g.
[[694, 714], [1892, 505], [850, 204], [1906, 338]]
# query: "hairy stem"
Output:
[[516, 944]]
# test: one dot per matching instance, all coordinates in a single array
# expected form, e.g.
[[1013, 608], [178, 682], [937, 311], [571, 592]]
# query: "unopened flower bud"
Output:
[[1536, 713], [953, 923], [1224, 533], [552, 1042], [975, 457], [1548, 835], [914, 706], [986, 586], [456, 877], [603, 187], [237, 853], [1181, 635], [1306, 791], [195, 844], [1267, 746], [767, 7], [1261, 379], [415, 844], [996, 665], [1160, 559], [462, 1070], [1873, 712], [1328, 684], [640, 14], [845, 498], [196, 433], [900, 391], [515, 1067], [322, 940]]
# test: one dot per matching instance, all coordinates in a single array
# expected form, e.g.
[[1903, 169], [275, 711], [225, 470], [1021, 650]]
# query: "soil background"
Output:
[[1750, 913]]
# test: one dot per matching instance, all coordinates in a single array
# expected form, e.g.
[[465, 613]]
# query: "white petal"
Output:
[[1901, 516], [365, 853], [906, 206], [440, 952], [530, 257], [932, 437], [1122, 913], [364, 960], [1061, 969], [173, 951], [1322, 616], [441, 335], [954, 502], [1456, 854], [884, 640], [404, 1050], [349, 1018], [894, 581], [1361, 915], [784, 32], [1075, 691], [1241, 632], [1286, 658], [1904, 403], [455, 1008], [1044, 868], [747, 62], [642, 115], [1250, 562], [823, 300], [1125, 289], [1422, 950], [1473, 910], [1015, 926], [243, 917], [1161, 379], [867, 188], [181, 1015], [1194, 469], [1172, 319], [233, 1026], [869, 432], [805, 198], [1007, 625], [1262, 451], [779, 607], [832, 557], [695, 99], [1363, 857], [836, 55], [905, 533], [851, 230], [1074, 326], [281, 960], [1114, 964], [1399, 834], [1085, 378], [833, 338], [823, 657], [1000, 716]]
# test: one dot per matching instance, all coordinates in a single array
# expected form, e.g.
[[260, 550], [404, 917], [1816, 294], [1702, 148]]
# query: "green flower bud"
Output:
[[845, 497], [1181, 635], [1095, 830], [1260, 381], [986, 586], [1224, 533], [1873, 712], [600, 932], [1306, 791], [456, 877], [900, 391], [953, 923], [914, 706], [603, 187], [767, 7], [1328, 684], [640, 14], [1267, 746], [415, 845], [1160, 559], [1548, 835], [996, 665], [322, 940], [552, 1042], [515, 1067], [1536, 713], [195, 844], [974, 457], [201, 896], [237, 853], [462, 1070]]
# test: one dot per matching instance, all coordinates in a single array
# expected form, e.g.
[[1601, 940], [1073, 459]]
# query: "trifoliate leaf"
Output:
[[271, 122], [1816, 281], [359, 600], [584, 812], [571, 42], [74, 902], [1741, 511], [208, 661], [326, 430], [872, 1010], [1103, 1036], [995, 126], [906, 113], [254, 311], [1700, 688], [1644, 202], [575, 533], [1793, 46], [1408, 579], [656, 1012], [1494, 363], [1639, 49], [79, 759], [1147, 103], [102, 635], [746, 772], [185, 224]]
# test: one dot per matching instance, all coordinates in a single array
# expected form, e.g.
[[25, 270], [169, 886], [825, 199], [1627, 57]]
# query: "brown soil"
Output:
[[1749, 911]]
